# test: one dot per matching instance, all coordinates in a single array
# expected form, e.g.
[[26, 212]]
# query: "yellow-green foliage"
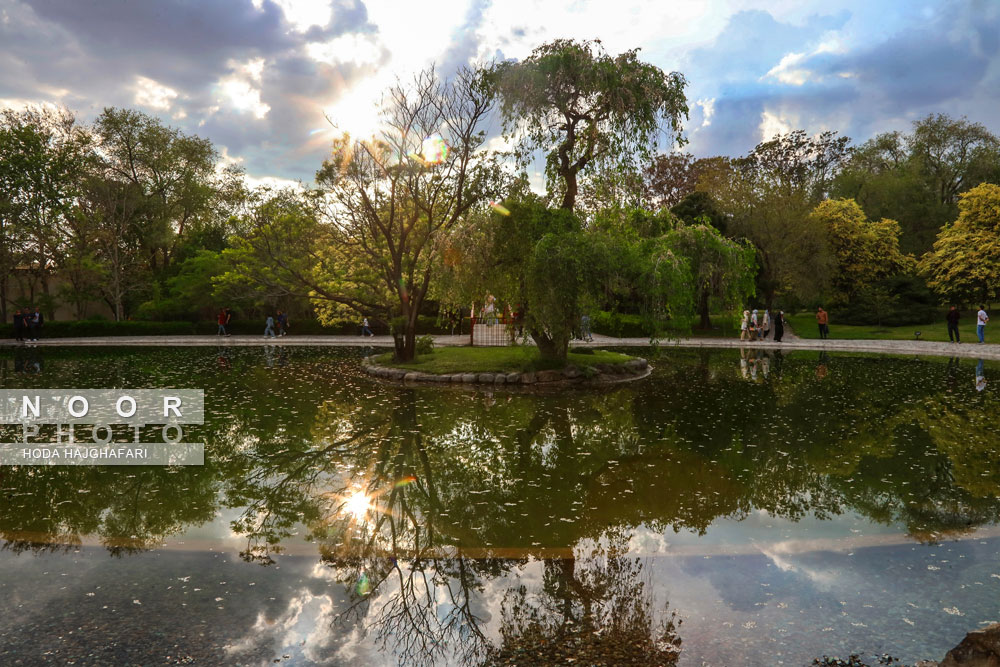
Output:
[[866, 250], [965, 262]]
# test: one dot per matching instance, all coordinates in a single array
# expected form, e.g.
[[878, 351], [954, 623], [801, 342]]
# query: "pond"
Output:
[[741, 508]]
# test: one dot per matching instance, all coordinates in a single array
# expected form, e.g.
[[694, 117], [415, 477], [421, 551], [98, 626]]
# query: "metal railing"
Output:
[[493, 330]]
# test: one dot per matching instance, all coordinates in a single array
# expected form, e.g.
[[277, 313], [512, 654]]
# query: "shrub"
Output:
[[424, 345], [619, 325], [893, 302]]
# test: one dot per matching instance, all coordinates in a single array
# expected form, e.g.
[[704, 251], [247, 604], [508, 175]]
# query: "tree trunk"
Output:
[[706, 321], [405, 341], [569, 199], [550, 348], [769, 298]]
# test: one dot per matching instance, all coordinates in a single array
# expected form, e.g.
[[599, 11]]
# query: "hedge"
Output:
[[239, 326]]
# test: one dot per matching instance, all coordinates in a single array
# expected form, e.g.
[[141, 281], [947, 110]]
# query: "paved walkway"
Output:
[[907, 347]]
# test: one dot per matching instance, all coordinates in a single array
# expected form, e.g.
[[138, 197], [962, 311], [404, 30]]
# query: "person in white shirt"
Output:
[[981, 319]]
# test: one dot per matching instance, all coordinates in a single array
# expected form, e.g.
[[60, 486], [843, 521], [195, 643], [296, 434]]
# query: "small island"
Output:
[[508, 365]]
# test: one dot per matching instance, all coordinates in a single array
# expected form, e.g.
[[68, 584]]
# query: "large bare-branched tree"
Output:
[[390, 202]]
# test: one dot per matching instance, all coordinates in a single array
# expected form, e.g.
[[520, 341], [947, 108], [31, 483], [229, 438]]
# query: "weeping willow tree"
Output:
[[587, 108], [543, 262]]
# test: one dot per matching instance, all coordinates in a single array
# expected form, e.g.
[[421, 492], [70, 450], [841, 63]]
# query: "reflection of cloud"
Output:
[[823, 579], [306, 621]]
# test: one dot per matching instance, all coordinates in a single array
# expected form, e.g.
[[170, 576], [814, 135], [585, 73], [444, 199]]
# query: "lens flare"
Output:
[[406, 480], [363, 586], [498, 208], [357, 505], [434, 149]]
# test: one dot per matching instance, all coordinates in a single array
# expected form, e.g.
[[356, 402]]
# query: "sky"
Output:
[[260, 77]]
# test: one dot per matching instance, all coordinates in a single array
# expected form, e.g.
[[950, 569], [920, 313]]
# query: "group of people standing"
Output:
[[28, 324], [755, 326]]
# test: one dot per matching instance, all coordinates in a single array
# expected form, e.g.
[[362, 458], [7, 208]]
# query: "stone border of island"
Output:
[[633, 369]]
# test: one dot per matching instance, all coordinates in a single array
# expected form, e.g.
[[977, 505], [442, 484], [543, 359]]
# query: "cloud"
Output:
[[257, 76], [861, 72]]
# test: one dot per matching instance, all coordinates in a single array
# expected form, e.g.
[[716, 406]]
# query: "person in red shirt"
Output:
[[223, 319], [823, 320]]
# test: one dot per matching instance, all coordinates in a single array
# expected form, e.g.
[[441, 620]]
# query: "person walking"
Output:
[[269, 327], [282, 323], [745, 326], [823, 320], [585, 329], [754, 325], [18, 325], [952, 319], [981, 319], [779, 326], [766, 323], [222, 319], [35, 322], [365, 331]]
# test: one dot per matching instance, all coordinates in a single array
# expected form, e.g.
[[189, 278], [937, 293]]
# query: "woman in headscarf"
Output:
[[779, 326], [754, 325], [745, 326]]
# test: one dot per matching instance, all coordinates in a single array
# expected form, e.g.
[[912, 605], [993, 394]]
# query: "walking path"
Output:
[[974, 350]]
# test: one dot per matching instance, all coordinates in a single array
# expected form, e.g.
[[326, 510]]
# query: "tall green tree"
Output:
[[172, 172], [965, 262], [916, 178], [866, 251], [766, 197], [42, 156], [583, 107]]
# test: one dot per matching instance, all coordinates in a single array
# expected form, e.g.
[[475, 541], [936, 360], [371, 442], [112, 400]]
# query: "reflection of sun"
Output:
[[357, 504]]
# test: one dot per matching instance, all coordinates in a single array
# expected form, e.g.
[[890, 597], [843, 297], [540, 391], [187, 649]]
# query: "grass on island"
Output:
[[519, 359], [804, 326]]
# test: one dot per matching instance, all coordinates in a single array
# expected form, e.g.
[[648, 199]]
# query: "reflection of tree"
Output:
[[600, 613], [427, 610], [466, 492]]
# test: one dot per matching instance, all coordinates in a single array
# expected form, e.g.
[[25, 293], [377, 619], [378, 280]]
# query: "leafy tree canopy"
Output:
[[965, 262], [584, 106], [866, 251]]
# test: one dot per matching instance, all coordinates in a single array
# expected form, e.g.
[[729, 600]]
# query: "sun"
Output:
[[357, 504]]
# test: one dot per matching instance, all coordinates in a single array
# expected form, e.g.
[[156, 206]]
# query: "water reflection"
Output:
[[464, 527]]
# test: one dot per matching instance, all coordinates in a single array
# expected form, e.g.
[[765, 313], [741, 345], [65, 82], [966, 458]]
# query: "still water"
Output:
[[730, 509]]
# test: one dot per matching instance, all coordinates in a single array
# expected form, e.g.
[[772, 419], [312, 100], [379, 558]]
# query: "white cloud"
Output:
[[788, 70], [149, 93], [707, 109], [772, 124], [241, 89], [303, 14], [356, 48], [791, 69]]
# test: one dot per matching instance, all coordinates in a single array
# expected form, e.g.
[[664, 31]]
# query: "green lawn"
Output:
[[804, 325], [519, 359]]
